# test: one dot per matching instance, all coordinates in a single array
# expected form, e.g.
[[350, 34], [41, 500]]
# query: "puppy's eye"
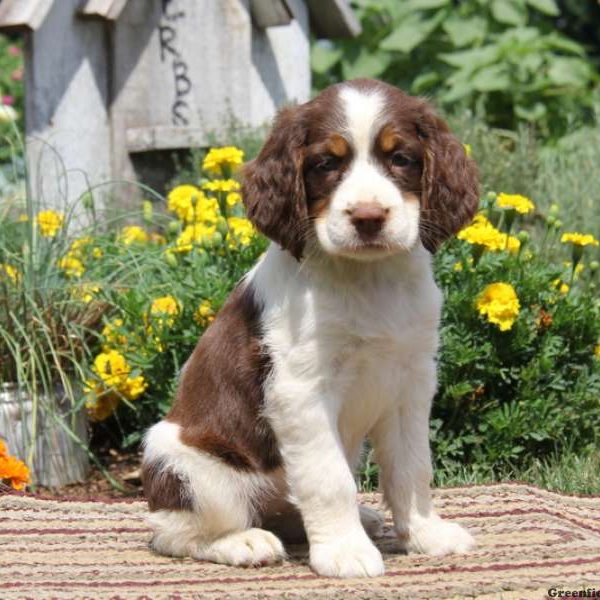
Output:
[[327, 164], [400, 160]]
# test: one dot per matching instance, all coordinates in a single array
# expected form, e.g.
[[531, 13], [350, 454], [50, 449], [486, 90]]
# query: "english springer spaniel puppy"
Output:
[[330, 338]]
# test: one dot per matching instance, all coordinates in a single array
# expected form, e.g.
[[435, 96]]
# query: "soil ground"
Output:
[[124, 468]]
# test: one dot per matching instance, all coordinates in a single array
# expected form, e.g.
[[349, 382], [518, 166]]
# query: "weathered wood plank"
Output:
[[333, 18], [102, 9], [23, 14], [270, 13], [145, 139]]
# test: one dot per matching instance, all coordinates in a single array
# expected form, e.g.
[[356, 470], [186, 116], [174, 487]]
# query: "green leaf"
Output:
[[491, 79], [548, 7], [411, 32], [424, 82], [560, 42], [456, 92], [426, 4], [569, 71], [463, 32], [323, 59], [472, 59], [366, 64], [531, 114], [510, 12]]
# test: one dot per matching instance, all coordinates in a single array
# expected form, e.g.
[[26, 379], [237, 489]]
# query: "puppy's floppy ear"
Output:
[[450, 182], [273, 183]]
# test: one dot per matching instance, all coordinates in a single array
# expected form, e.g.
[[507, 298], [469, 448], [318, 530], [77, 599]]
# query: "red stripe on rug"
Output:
[[413, 572]]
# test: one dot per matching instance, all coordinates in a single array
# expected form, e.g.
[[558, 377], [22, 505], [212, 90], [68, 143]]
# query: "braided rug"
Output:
[[530, 542]]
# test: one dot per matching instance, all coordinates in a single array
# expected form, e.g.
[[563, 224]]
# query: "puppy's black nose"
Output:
[[368, 219]]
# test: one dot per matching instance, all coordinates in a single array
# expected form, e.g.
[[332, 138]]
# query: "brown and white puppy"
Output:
[[330, 338]]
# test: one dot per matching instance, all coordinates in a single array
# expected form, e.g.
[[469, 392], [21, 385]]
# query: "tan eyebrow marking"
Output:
[[338, 146], [388, 138]]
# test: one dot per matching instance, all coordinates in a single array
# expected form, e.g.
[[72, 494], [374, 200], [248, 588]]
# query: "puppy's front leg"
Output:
[[323, 488], [401, 442]]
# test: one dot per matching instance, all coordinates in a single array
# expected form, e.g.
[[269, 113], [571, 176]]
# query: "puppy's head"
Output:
[[365, 170]]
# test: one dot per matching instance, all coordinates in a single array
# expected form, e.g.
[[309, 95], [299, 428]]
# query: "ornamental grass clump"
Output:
[[519, 376]]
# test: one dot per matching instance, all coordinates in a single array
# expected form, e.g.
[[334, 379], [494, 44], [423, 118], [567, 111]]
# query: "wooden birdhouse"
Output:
[[113, 85]]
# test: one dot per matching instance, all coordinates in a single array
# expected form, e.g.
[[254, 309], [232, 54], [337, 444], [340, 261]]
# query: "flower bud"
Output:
[[174, 227], [222, 226], [558, 224], [554, 209], [171, 258], [87, 200], [148, 211], [551, 220], [594, 266], [523, 237]]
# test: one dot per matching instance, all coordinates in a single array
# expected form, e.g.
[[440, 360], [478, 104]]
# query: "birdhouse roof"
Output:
[[333, 18], [23, 14]]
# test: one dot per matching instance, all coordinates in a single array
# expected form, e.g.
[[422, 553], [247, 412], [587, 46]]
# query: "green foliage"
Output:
[[506, 397], [503, 57]]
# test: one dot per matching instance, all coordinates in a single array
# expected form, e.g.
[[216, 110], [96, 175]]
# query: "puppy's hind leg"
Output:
[[200, 506]]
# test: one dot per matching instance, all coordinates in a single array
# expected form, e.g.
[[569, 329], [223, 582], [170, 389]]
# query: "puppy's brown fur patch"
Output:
[[220, 397]]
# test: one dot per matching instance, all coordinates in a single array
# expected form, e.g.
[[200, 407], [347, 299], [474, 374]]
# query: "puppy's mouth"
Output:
[[371, 249]]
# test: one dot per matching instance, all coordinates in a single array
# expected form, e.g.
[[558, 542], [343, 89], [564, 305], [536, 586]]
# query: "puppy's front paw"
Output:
[[348, 556], [437, 537]]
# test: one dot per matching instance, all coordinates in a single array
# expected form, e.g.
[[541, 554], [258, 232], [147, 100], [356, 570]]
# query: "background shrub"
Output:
[[503, 58]]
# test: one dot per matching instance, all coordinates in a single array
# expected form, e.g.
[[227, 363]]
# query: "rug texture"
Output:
[[530, 541]]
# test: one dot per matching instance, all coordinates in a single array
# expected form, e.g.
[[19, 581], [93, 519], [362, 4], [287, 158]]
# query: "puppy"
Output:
[[330, 338]]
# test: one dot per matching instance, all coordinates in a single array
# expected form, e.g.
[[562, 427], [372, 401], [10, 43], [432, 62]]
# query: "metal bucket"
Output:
[[46, 433]]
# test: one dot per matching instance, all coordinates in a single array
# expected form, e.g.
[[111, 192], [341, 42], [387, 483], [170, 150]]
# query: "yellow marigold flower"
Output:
[[197, 234], [97, 252], [9, 271], [133, 234], [49, 222], [100, 403], [205, 314], [500, 304], [85, 292], [181, 199], [112, 336], [191, 205], [112, 368], [483, 233], [165, 305], [165, 309], [579, 239], [562, 287], [133, 387], [72, 266], [521, 204], [468, 149], [233, 199], [13, 470], [79, 245], [241, 231], [222, 185], [597, 351], [219, 158]]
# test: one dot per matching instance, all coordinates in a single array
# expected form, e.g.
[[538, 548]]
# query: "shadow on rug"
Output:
[[529, 541]]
